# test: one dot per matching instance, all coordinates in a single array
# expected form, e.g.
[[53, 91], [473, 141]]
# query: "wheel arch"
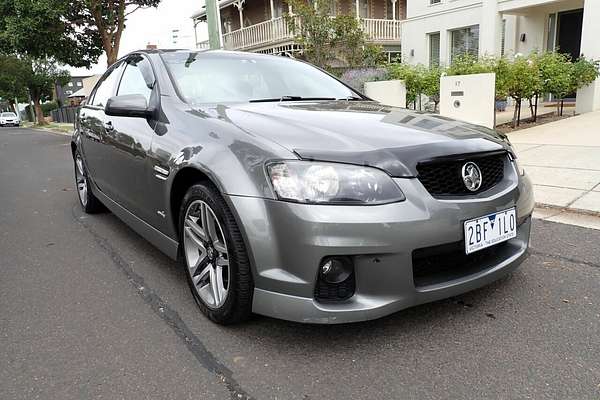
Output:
[[182, 181]]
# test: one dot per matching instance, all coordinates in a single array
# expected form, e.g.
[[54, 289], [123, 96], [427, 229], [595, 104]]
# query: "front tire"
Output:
[[89, 203], [214, 256]]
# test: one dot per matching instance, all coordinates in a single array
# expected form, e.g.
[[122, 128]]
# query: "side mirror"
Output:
[[128, 105]]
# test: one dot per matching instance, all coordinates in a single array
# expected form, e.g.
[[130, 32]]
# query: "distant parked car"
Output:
[[286, 193], [9, 119]]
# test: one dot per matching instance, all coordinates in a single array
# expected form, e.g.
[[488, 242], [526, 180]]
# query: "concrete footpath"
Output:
[[563, 160]]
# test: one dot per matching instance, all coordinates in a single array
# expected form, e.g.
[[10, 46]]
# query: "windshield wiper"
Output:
[[352, 98], [289, 98]]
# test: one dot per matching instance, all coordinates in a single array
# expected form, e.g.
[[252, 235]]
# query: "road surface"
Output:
[[90, 310]]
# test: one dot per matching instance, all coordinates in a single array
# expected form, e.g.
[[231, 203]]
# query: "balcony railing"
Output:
[[382, 30], [276, 31], [263, 33]]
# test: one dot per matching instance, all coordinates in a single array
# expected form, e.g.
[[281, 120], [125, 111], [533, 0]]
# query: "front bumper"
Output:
[[12, 123], [287, 241]]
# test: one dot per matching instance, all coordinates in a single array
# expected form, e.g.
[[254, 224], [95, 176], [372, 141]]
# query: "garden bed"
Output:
[[528, 123]]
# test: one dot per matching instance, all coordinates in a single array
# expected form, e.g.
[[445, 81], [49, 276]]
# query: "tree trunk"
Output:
[[536, 108], [39, 114], [562, 105], [530, 107], [519, 115], [514, 121], [111, 56]]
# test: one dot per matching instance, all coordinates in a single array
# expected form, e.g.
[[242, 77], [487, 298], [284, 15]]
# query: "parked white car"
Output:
[[9, 118]]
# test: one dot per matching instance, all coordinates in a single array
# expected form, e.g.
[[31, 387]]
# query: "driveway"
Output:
[[563, 159], [91, 310]]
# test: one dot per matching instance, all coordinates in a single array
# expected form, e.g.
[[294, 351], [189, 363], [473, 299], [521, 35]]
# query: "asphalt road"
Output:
[[88, 309]]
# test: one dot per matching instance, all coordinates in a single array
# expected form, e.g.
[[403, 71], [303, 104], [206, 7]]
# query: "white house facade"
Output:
[[434, 31]]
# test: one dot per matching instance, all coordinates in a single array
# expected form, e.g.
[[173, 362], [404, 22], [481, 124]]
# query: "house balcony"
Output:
[[276, 32]]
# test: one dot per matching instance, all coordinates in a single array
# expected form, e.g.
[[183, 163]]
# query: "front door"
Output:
[[568, 38], [129, 140]]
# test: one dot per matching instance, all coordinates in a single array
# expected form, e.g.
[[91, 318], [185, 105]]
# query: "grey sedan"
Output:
[[286, 193]]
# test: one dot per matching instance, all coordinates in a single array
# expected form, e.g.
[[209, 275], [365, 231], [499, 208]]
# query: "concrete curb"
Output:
[[567, 209]]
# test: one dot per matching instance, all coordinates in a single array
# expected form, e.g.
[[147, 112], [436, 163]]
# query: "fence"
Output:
[[64, 114]]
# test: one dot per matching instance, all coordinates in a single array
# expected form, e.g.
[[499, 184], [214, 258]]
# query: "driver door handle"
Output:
[[108, 126]]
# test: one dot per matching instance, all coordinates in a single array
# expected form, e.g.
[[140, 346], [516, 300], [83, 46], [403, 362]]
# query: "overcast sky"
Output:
[[154, 25]]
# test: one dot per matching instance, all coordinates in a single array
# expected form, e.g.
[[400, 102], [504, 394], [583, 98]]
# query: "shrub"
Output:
[[356, 78], [583, 73], [467, 64], [48, 107]]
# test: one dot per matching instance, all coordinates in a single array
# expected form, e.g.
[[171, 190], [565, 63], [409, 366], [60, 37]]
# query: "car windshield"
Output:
[[8, 115], [218, 77]]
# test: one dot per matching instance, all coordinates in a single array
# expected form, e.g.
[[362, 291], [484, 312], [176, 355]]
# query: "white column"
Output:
[[272, 9], [240, 6], [588, 98], [394, 9], [490, 29], [357, 9], [220, 24]]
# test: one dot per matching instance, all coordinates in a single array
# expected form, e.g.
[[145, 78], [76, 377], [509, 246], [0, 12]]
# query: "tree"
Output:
[[521, 81], [43, 28], [413, 77], [556, 76], [583, 73], [72, 32], [431, 84], [327, 40], [41, 77], [107, 18], [12, 80]]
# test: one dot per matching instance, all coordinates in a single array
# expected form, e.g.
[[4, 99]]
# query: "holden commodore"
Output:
[[286, 193], [9, 118]]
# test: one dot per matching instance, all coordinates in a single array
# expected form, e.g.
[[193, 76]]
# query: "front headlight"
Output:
[[332, 183]]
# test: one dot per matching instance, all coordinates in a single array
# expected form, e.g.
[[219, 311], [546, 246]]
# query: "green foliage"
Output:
[[48, 107], [43, 75], [72, 32], [522, 80], [431, 84], [327, 40], [583, 73], [373, 55], [412, 75], [467, 64], [555, 71], [13, 74], [44, 28], [418, 80]]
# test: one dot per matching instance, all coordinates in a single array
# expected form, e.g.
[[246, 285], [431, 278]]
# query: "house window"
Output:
[[79, 84], [70, 84], [465, 41], [434, 49]]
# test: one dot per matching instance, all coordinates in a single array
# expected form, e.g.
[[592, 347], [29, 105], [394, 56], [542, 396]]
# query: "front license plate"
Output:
[[489, 230]]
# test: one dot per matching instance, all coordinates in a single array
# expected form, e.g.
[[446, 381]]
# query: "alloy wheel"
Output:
[[206, 254], [81, 180]]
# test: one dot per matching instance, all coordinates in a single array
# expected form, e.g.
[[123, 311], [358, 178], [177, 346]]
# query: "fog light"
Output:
[[335, 269]]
